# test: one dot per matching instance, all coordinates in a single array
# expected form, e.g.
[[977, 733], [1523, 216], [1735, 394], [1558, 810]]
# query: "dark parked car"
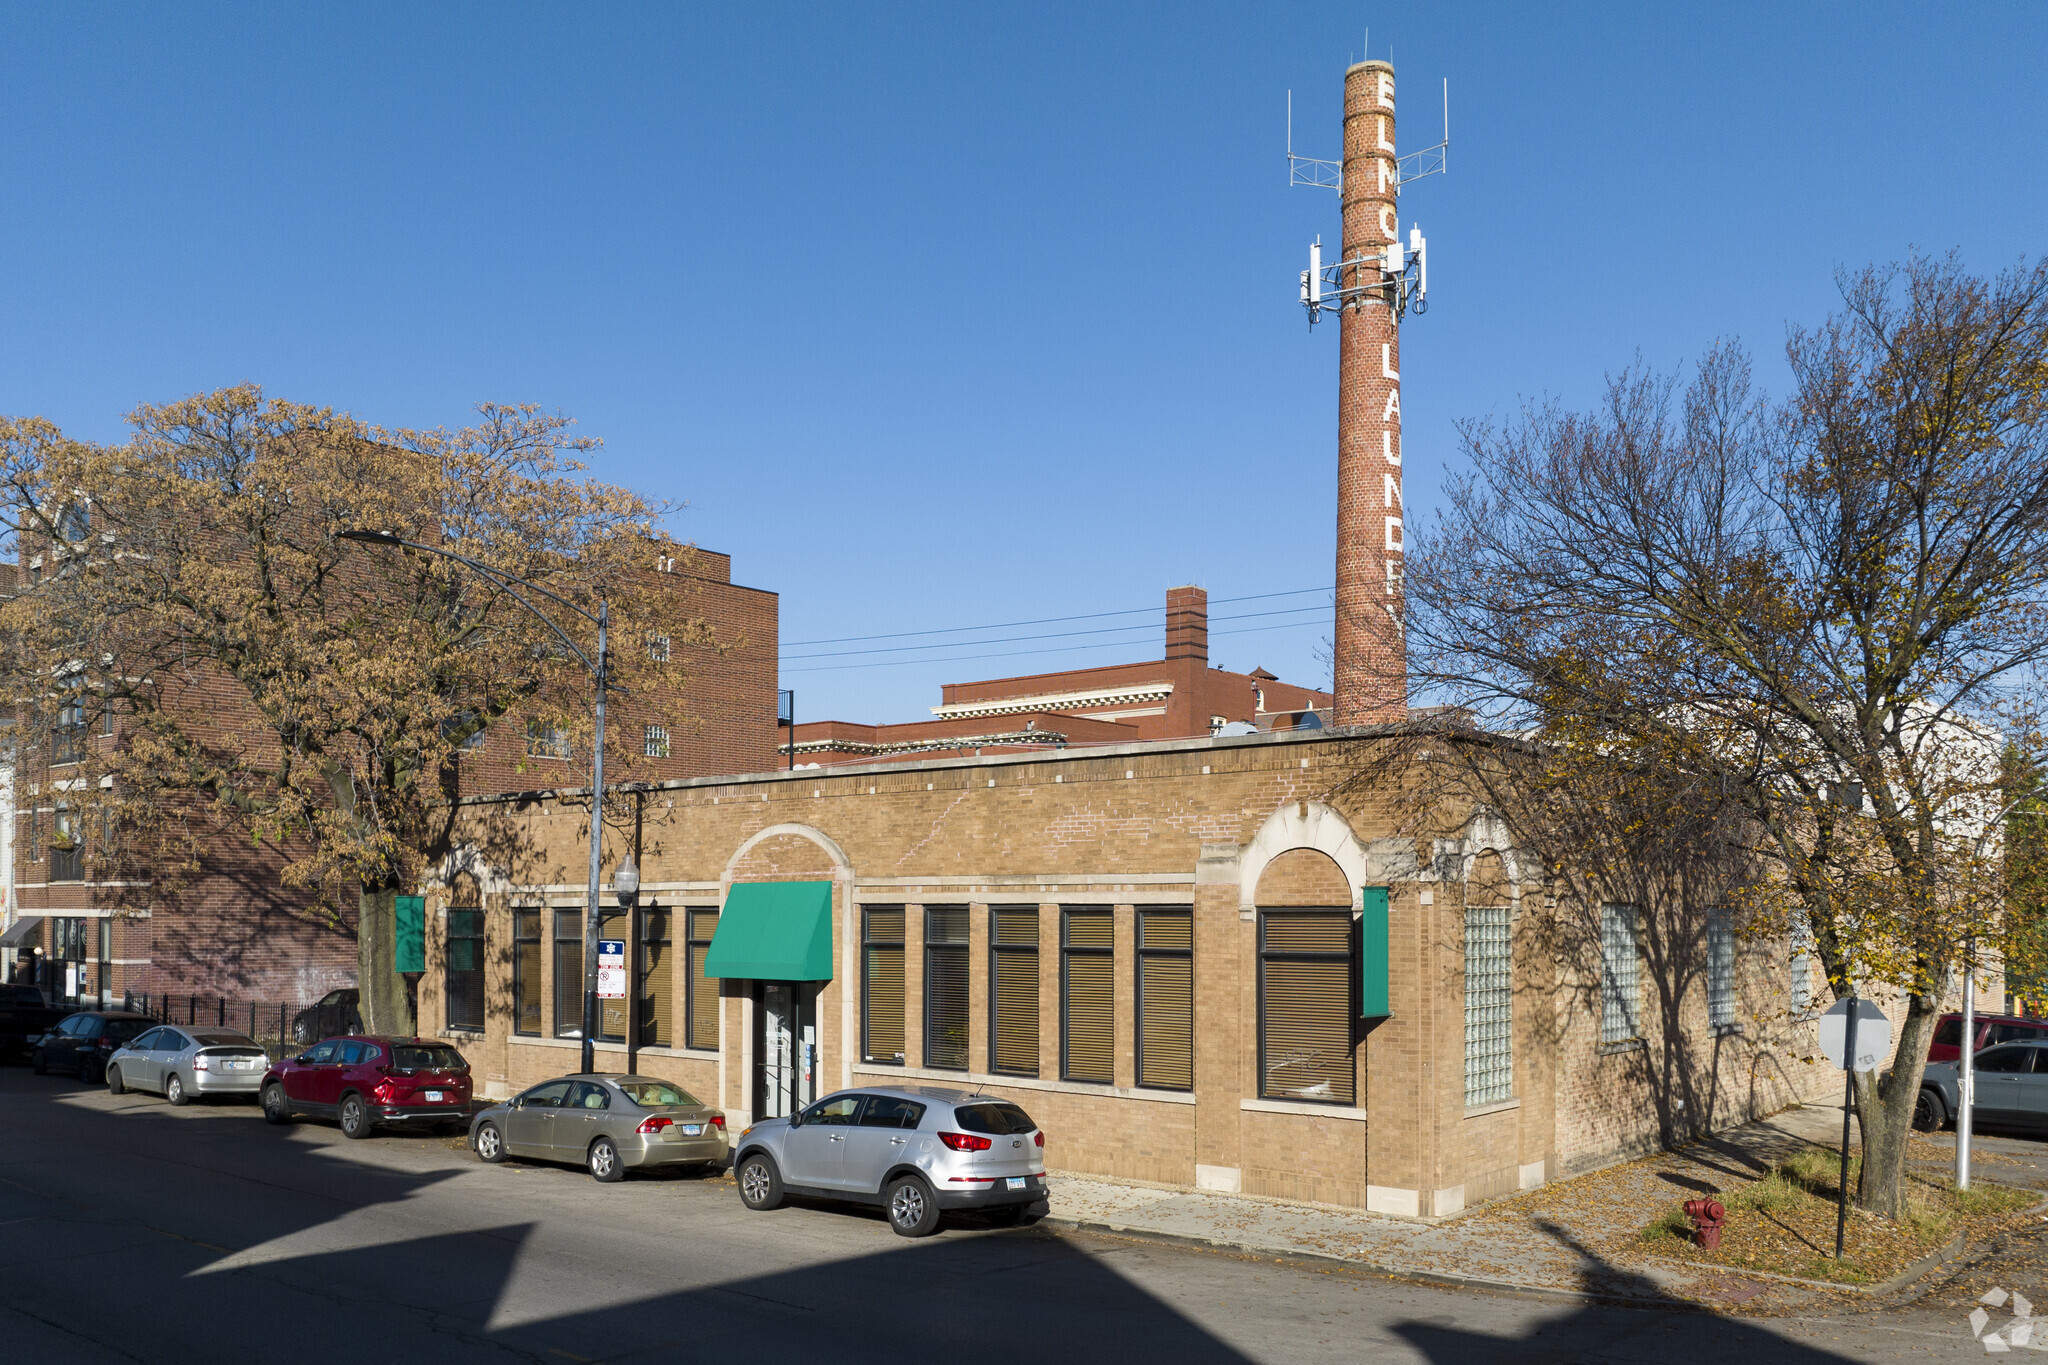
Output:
[[369, 1082], [24, 1017], [2012, 1090], [337, 1013], [82, 1043], [1992, 1029]]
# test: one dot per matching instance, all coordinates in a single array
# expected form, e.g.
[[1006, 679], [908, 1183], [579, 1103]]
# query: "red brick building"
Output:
[[231, 929], [1176, 697]]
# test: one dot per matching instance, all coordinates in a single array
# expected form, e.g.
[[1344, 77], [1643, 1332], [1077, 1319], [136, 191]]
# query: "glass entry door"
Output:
[[785, 1047]]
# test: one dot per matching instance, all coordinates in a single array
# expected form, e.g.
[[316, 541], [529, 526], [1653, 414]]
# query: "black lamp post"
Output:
[[598, 672]]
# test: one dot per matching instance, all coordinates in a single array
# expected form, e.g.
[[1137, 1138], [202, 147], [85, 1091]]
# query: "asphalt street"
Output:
[[131, 1231]]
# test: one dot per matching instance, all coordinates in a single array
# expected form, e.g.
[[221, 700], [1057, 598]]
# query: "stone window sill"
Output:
[[1628, 1045], [1473, 1111], [1320, 1111]]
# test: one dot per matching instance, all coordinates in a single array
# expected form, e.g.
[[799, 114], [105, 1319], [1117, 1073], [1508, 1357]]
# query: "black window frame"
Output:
[[695, 950], [1139, 954], [1351, 993], [932, 949], [1069, 950], [523, 915], [900, 943], [995, 952], [470, 979], [559, 942]]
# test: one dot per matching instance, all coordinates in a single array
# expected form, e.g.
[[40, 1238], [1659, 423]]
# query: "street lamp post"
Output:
[[599, 675]]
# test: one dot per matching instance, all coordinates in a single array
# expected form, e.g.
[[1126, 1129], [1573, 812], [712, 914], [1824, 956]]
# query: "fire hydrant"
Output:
[[1707, 1217]]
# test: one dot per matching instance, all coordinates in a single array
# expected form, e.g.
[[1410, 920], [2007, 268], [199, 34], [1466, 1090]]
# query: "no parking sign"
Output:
[[611, 969]]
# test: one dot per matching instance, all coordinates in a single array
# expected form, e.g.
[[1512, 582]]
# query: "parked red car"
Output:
[[1991, 1029], [368, 1082]]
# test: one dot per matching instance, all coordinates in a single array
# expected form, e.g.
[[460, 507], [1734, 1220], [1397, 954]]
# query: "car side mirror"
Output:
[[519, 1103], [796, 1118]]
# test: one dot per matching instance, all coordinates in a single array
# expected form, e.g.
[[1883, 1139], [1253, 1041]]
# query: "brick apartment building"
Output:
[[231, 929], [1176, 697]]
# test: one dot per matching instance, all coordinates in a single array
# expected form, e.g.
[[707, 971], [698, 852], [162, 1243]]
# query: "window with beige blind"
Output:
[[700, 1003], [568, 973], [526, 1009], [1166, 999], [1013, 990], [881, 985], [657, 979], [945, 987], [1087, 994], [1307, 1003]]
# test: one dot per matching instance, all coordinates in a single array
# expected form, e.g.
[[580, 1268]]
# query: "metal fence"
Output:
[[274, 1023]]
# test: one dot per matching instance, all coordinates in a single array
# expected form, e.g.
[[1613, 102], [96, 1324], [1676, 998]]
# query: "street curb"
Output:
[[1898, 1281], [1326, 1259]]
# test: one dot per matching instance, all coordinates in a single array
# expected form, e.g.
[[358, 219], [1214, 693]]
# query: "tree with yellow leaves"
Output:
[[1822, 616], [278, 683]]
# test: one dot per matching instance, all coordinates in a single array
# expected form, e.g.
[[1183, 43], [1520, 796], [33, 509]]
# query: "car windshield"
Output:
[[426, 1057], [655, 1094], [995, 1117]]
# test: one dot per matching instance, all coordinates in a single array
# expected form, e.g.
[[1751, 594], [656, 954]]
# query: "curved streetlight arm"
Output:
[[504, 580]]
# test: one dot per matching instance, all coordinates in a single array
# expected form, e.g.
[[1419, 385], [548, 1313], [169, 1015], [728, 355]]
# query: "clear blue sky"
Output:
[[944, 315]]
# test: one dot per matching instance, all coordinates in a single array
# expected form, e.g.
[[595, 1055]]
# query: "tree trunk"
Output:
[[382, 990], [1887, 1118]]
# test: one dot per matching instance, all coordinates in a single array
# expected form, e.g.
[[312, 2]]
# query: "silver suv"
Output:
[[915, 1150]]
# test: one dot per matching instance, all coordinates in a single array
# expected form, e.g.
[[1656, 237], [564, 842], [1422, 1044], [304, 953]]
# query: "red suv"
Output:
[[365, 1082], [1992, 1029]]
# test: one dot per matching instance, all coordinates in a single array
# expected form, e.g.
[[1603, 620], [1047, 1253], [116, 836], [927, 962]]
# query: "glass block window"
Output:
[[1721, 969], [1621, 983], [1489, 1008], [656, 741], [657, 648]]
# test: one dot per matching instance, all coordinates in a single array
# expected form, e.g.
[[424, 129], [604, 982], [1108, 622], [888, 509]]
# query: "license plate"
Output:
[[433, 1097], [692, 1129], [1017, 1182]]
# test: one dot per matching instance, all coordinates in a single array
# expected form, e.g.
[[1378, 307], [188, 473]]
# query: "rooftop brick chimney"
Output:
[[1187, 624]]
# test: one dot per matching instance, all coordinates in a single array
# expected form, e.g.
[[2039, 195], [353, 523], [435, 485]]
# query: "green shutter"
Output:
[[1372, 952], [412, 933]]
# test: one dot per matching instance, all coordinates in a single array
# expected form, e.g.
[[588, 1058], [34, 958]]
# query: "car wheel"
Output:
[[115, 1085], [603, 1160], [355, 1117], [913, 1208], [1929, 1113], [490, 1143], [92, 1071], [174, 1089], [760, 1184], [275, 1109]]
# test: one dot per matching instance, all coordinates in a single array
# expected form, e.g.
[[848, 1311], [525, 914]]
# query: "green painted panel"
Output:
[[1372, 937], [774, 931], [412, 933]]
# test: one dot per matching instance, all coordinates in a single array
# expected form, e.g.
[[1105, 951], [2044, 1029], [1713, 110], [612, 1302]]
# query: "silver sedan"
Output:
[[180, 1063], [606, 1123]]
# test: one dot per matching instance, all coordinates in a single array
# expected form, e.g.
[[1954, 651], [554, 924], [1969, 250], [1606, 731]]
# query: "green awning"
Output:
[[774, 931]]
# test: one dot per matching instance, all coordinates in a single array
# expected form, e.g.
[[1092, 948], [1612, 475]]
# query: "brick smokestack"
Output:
[[1371, 663], [1187, 625]]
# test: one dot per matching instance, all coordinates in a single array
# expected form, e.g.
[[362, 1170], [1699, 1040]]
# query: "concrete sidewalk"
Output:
[[1571, 1237]]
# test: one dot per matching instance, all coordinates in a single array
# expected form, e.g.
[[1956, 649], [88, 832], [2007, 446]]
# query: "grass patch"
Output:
[[1784, 1222]]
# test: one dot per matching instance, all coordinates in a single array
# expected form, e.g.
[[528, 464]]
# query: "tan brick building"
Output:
[[1153, 948]]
